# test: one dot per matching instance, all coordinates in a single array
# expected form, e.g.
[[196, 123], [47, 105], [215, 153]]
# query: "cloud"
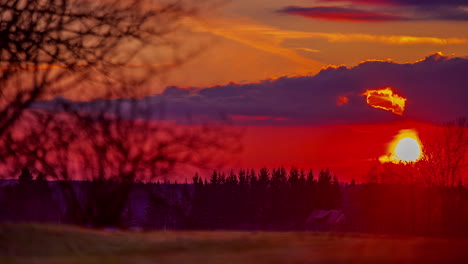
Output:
[[435, 89], [455, 10], [405, 2], [253, 35], [270, 39], [308, 50], [256, 118], [334, 13]]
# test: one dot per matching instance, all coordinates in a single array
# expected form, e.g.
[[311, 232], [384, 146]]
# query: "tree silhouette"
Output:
[[67, 47], [310, 177], [293, 176], [445, 155], [112, 152], [214, 178], [41, 177], [25, 176], [261, 203], [51, 47], [264, 177]]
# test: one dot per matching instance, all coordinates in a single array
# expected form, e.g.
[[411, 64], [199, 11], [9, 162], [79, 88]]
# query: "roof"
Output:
[[326, 216]]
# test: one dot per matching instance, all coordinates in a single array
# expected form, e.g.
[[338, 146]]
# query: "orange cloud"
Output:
[[254, 35], [308, 50], [386, 99], [270, 38], [342, 100]]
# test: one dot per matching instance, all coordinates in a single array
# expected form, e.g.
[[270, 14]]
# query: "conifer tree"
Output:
[[25, 176], [232, 179], [293, 176], [264, 177], [310, 177], [41, 177], [302, 177], [253, 180], [243, 177], [214, 178], [196, 178]]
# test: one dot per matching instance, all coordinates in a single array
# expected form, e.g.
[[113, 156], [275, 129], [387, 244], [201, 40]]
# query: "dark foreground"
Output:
[[27, 243]]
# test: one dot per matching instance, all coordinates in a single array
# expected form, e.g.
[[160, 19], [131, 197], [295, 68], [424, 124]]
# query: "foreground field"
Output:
[[21, 243]]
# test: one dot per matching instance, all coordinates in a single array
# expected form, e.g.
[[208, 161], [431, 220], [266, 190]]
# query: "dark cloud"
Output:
[[442, 13], [334, 13], [455, 10], [405, 2], [436, 88]]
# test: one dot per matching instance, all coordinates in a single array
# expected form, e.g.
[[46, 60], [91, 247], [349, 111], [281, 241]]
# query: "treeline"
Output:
[[407, 209], [30, 200], [276, 199], [270, 199]]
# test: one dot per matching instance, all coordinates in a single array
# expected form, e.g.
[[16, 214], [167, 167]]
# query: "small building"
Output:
[[325, 220]]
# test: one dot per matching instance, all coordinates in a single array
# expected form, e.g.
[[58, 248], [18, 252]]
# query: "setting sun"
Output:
[[405, 147], [408, 149]]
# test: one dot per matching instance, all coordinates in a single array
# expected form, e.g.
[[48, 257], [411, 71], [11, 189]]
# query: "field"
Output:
[[31, 243]]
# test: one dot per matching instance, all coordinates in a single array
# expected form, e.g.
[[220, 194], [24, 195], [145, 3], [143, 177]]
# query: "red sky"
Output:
[[315, 115], [306, 122], [261, 39], [347, 149]]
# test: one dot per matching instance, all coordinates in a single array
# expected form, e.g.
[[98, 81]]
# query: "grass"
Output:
[[33, 243]]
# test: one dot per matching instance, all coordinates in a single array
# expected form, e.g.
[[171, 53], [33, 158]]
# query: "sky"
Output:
[[292, 75], [253, 40]]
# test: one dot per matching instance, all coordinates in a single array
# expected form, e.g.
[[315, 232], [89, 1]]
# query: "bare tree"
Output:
[[445, 155], [442, 164], [49, 47], [111, 48], [110, 149], [442, 169]]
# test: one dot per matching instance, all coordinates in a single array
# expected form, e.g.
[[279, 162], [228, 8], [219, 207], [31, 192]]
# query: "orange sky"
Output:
[[249, 40]]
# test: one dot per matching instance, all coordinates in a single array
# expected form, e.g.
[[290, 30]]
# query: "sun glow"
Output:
[[386, 99], [405, 147]]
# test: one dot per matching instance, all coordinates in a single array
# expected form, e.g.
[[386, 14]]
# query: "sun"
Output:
[[408, 149], [405, 147]]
